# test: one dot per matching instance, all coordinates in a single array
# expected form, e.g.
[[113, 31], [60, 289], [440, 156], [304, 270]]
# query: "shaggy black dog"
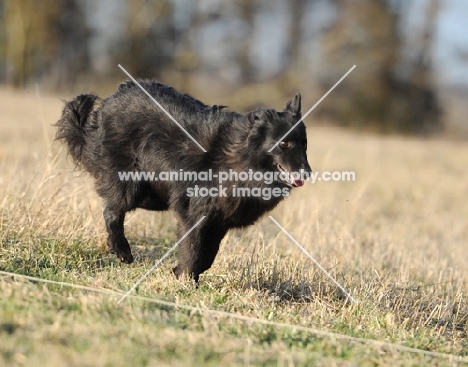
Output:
[[128, 132]]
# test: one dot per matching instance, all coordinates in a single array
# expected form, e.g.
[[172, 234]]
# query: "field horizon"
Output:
[[394, 239]]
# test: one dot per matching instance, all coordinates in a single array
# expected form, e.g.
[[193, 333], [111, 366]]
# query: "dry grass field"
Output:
[[395, 238]]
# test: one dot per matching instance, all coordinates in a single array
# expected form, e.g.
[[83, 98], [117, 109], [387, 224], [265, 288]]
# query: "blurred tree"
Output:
[[186, 59], [72, 57], [367, 33], [44, 41], [248, 9], [292, 73], [293, 50], [150, 41]]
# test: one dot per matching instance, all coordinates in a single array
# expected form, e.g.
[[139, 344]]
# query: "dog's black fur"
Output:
[[129, 132]]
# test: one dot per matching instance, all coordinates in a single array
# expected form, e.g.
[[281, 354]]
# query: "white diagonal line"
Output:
[[310, 257], [162, 108], [315, 105], [161, 259]]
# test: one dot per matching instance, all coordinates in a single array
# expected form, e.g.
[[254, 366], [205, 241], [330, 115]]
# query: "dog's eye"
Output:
[[285, 144]]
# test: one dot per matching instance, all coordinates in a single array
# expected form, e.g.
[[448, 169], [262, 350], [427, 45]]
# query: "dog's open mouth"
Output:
[[289, 178]]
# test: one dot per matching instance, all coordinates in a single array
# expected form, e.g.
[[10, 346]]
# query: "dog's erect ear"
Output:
[[294, 105]]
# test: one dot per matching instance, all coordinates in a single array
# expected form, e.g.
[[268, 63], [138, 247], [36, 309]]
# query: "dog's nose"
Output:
[[306, 171], [306, 168]]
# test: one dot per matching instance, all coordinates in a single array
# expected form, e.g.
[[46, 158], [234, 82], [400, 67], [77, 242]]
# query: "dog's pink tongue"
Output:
[[299, 183]]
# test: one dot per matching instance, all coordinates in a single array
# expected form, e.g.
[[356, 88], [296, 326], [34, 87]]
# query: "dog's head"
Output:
[[283, 148]]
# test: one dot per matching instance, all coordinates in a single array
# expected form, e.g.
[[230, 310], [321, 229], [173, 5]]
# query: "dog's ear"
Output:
[[256, 116], [294, 105]]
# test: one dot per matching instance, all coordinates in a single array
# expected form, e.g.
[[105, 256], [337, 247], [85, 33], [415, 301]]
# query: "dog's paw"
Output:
[[126, 258], [177, 271]]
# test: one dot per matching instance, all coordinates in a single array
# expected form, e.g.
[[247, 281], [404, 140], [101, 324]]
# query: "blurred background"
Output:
[[411, 55]]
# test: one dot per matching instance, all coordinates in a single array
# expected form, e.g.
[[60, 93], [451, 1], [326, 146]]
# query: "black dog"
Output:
[[128, 132]]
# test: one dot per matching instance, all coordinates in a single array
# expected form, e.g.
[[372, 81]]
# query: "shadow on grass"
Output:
[[285, 279], [151, 249], [302, 291]]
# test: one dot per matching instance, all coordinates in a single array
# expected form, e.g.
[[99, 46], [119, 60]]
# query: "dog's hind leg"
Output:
[[116, 240]]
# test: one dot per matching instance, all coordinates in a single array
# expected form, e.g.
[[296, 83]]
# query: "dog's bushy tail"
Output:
[[77, 127]]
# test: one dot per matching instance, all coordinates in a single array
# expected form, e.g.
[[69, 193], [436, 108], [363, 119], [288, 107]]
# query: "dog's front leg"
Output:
[[198, 250]]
